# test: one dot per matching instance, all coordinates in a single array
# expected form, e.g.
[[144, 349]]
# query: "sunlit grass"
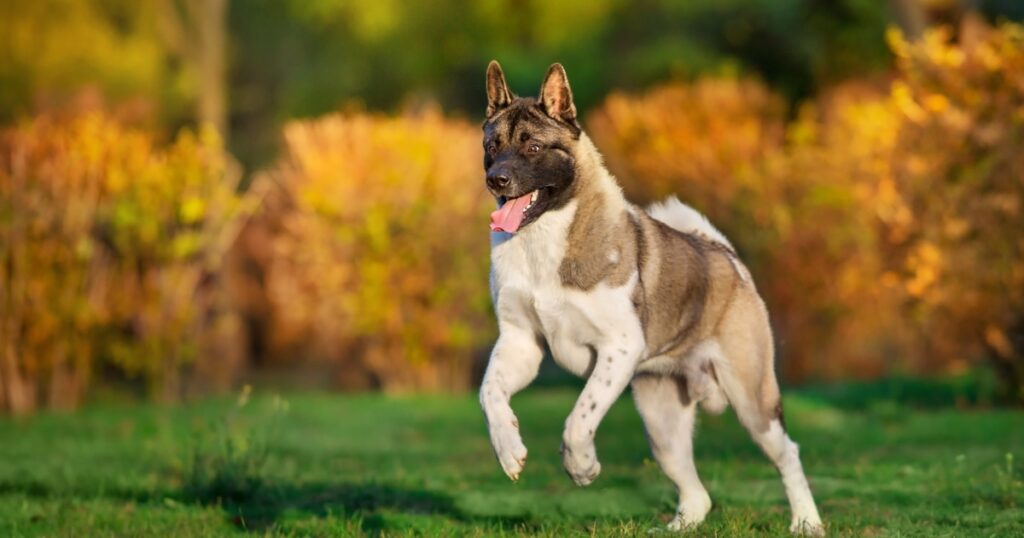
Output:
[[371, 464]]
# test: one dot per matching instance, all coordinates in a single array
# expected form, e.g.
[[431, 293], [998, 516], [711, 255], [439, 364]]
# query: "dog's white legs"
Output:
[[754, 393], [669, 419], [613, 368], [513, 365], [785, 454]]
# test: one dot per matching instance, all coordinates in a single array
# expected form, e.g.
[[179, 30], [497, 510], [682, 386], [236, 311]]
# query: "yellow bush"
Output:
[[822, 206], [377, 236], [105, 241], [885, 230], [698, 141], [796, 200], [959, 167]]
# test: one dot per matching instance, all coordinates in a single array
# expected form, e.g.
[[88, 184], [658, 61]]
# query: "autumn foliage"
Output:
[[372, 250], [698, 141], [106, 241], [884, 228], [882, 221], [961, 176]]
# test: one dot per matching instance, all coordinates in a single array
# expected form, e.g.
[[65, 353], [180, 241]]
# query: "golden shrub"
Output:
[[376, 248], [959, 168], [882, 226], [822, 207], [105, 240], [698, 141], [795, 199], [885, 231]]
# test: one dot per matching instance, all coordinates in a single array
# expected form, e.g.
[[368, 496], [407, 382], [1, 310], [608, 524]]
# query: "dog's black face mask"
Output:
[[528, 149]]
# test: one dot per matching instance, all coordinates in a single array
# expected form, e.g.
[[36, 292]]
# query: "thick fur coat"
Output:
[[654, 298]]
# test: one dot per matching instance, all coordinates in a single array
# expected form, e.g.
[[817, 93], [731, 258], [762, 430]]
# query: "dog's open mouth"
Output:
[[509, 217]]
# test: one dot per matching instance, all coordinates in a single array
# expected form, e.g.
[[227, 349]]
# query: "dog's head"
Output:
[[529, 148]]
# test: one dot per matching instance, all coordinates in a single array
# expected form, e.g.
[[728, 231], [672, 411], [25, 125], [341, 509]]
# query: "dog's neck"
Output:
[[594, 183]]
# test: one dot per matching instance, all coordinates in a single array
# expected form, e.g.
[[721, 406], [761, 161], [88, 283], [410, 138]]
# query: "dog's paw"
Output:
[[680, 523], [804, 527], [691, 512], [511, 452], [581, 463]]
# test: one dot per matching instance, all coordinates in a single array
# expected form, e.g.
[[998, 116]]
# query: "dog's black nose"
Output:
[[497, 181]]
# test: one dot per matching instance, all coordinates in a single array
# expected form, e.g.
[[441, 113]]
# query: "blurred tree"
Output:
[[51, 49], [195, 31], [911, 16], [959, 170], [302, 58], [885, 229], [282, 59], [107, 245], [368, 253]]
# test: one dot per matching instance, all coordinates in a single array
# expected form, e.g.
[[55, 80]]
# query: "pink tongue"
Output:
[[510, 216]]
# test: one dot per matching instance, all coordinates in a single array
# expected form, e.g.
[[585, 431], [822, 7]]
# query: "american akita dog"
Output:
[[654, 298]]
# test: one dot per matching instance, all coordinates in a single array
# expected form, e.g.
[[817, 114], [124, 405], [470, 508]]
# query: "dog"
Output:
[[655, 299]]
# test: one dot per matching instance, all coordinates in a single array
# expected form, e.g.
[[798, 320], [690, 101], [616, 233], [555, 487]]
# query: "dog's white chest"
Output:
[[529, 291]]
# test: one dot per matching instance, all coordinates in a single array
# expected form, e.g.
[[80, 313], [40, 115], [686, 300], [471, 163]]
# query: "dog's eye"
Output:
[[534, 148], [492, 149]]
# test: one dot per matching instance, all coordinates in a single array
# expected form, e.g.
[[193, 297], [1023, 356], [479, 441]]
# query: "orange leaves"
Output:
[[882, 224], [924, 265], [380, 254], [104, 239], [967, 199], [801, 202], [885, 225], [695, 140]]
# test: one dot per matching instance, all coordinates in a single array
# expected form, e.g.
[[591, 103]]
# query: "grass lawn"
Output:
[[369, 464]]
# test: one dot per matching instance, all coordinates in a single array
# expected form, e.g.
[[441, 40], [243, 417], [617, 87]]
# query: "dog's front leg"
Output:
[[513, 365], [613, 369]]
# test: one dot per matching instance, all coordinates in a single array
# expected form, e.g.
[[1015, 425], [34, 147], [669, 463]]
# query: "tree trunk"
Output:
[[210, 59], [67, 378], [18, 393], [910, 16], [195, 31]]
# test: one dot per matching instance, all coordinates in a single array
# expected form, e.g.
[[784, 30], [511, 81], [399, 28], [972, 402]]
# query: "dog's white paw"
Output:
[[807, 527], [581, 463], [680, 523], [508, 446], [691, 512]]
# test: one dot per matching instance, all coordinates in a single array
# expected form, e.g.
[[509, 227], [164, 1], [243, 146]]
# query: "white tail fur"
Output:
[[685, 219]]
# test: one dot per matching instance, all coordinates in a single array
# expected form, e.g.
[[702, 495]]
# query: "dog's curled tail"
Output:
[[686, 219]]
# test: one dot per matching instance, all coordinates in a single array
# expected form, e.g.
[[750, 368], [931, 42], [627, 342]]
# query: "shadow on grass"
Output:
[[42, 491], [976, 388], [265, 505]]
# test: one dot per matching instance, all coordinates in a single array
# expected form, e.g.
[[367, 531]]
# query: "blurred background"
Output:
[[199, 194]]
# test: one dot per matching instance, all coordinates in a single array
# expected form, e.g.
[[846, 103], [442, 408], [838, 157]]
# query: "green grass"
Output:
[[371, 464]]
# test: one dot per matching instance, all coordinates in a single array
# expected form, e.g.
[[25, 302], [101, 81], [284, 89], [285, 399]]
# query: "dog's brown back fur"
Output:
[[691, 288]]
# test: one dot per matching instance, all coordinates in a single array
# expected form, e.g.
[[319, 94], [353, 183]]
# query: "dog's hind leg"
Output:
[[669, 417], [746, 374]]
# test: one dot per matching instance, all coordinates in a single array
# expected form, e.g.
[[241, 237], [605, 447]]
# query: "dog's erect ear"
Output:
[[556, 97], [498, 96]]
